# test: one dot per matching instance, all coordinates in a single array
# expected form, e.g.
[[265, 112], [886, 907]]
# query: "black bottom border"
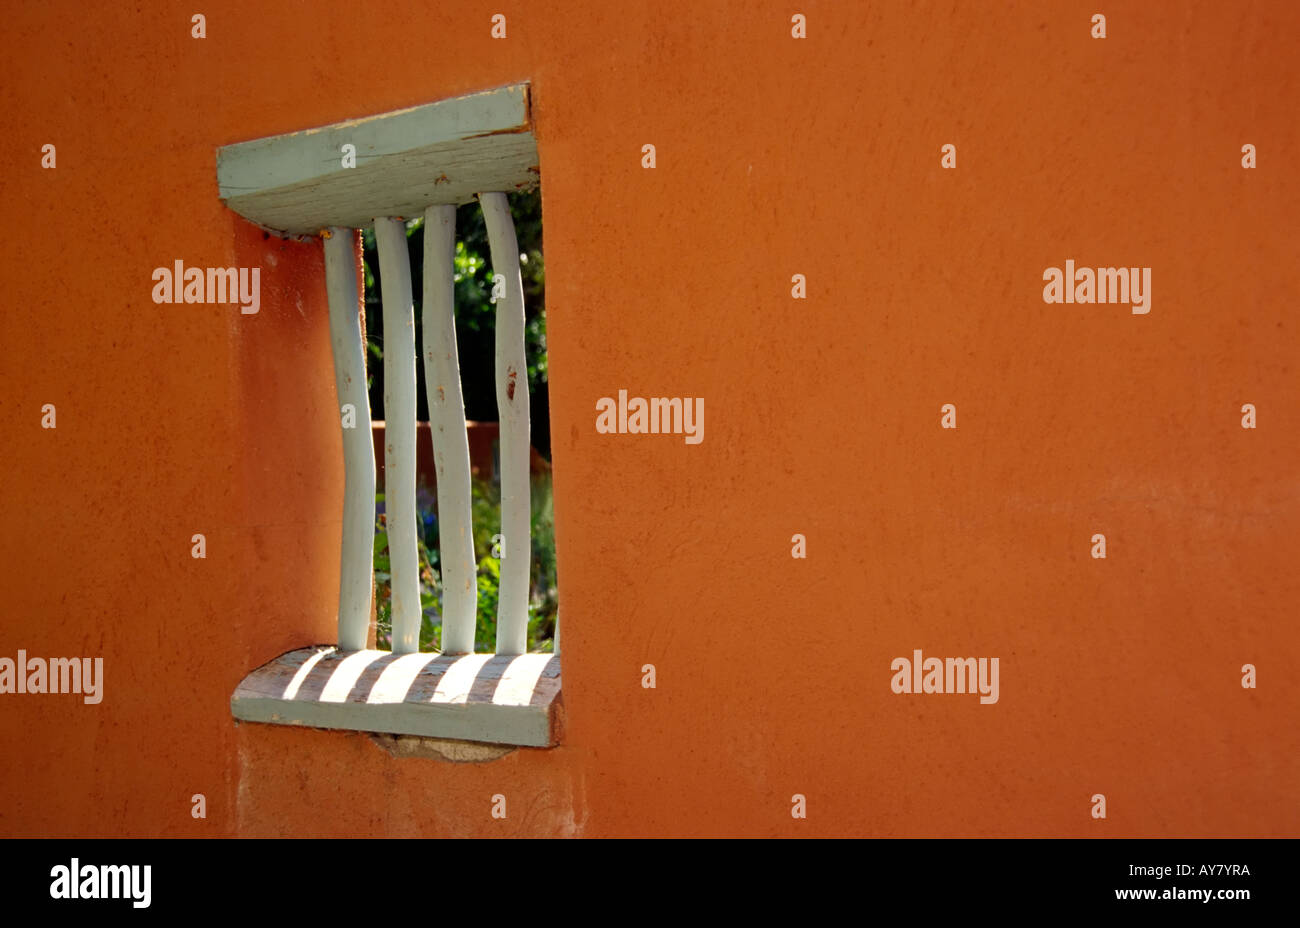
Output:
[[946, 878]]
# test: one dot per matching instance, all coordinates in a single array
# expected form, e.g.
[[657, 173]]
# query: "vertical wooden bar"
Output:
[[447, 427], [399, 432], [512, 409], [356, 580]]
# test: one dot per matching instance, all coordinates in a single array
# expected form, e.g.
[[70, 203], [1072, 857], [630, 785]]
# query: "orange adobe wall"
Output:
[[775, 156]]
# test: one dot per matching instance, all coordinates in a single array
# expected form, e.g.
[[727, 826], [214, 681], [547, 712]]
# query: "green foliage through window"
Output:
[[543, 600], [475, 313]]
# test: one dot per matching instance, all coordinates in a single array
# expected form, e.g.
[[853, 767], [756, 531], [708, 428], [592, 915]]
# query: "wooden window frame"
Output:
[[408, 163]]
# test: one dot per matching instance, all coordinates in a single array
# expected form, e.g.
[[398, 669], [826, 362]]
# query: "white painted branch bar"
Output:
[[399, 433], [356, 584], [512, 409], [423, 160], [447, 429]]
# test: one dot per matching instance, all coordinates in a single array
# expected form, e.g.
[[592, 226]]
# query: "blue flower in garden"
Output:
[[426, 506]]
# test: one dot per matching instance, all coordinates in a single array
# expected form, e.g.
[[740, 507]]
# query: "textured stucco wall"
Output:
[[775, 156]]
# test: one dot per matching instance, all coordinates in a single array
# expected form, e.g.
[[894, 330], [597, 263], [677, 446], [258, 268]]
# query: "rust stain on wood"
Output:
[[516, 130]]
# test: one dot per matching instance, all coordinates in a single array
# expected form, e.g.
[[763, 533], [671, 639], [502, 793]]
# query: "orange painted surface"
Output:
[[775, 157], [482, 438]]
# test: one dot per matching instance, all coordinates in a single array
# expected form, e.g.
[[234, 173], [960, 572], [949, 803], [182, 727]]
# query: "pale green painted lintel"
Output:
[[443, 152]]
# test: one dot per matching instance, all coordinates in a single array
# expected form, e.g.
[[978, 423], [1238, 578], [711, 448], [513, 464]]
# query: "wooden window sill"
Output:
[[473, 697]]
